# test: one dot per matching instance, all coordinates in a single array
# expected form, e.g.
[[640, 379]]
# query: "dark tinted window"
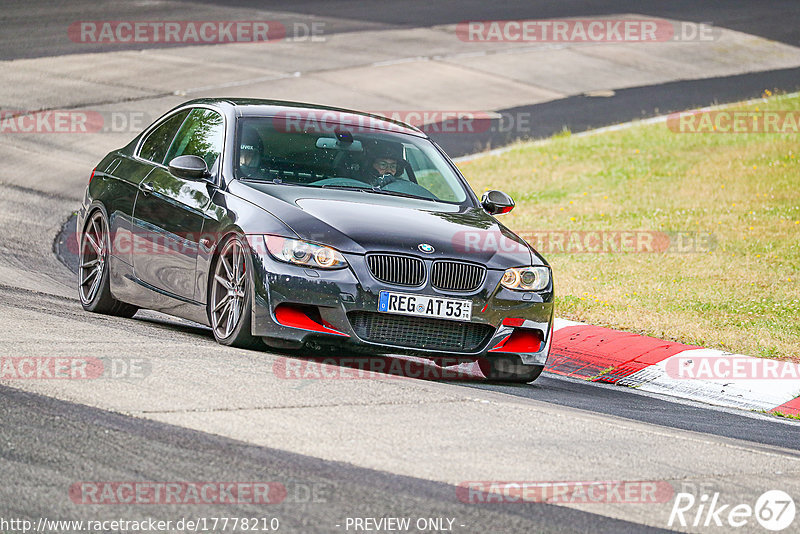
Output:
[[155, 146], [308, 151], [201, 135]]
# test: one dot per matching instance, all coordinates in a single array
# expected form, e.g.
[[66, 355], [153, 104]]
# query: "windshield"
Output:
[[272, 149]]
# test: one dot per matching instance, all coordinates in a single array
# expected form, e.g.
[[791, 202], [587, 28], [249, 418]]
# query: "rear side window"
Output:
[[201, 135], [158, 141]]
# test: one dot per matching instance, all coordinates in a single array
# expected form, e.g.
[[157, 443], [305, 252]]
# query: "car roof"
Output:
[[256, 107]]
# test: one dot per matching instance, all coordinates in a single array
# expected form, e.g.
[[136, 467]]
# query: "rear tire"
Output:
[[230, 296], [94, 288], [509, 370]]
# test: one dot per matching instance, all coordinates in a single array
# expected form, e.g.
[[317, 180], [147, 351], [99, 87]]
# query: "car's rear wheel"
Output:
[[229, 305], [94, 270], [509, 370]]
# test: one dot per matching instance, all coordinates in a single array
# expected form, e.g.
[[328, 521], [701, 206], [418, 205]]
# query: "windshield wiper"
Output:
[[346, 187], [377, 190], [270, 181], [400, 194]]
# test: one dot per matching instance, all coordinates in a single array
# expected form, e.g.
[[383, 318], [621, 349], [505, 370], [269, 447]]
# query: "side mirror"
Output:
[[497, 202], [189, 167]]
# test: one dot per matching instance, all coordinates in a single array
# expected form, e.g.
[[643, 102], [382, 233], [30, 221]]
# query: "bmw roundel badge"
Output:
[[426, 248]]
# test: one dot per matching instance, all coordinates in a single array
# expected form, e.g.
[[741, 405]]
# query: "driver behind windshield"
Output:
[[384, 164], [250, 149]]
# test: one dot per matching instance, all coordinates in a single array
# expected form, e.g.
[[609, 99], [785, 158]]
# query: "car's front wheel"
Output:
[[229, 303], [94, 270], [509, 370]]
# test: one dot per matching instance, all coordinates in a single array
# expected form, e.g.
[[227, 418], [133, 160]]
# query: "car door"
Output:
[[128, 171], [169, 211]]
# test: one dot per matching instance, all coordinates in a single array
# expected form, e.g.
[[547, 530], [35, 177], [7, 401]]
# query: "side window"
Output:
[[201, 135], [155, 146]]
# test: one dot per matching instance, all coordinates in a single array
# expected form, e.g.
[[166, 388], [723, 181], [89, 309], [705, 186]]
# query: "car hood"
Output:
[[358, 222]]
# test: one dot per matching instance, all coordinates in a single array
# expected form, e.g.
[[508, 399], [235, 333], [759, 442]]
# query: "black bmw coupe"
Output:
[[292, 225]]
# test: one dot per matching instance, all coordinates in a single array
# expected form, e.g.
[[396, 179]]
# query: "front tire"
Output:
[[509, 371], [230, 297], [94, 288]]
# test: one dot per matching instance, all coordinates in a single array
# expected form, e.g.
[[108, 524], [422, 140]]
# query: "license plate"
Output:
[[425, 306]]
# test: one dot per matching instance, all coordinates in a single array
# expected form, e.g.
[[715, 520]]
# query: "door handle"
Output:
[[146, 187]]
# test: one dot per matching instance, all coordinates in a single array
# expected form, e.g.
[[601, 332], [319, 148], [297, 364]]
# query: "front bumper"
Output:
[[337, 293]]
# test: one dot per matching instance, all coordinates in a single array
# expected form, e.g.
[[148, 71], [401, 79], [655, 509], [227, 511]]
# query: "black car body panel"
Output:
[[359, 222]]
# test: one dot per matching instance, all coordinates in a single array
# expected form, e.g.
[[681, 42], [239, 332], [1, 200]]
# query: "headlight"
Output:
[[526, 278], [304, 253]]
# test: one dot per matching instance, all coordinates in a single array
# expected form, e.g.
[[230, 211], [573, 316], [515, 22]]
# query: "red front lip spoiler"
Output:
[[293, 317], [520, 341]]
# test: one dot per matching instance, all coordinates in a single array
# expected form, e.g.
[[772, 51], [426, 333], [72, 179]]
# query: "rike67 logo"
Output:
[[774, 510]]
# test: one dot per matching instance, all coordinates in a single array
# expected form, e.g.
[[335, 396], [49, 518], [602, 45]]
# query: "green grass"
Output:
[[786, 415], [743, 189]]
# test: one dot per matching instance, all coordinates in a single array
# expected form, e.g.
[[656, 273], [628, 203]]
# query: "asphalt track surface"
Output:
[[64, 441], [28, 27], [583, 112], [47, 444]]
